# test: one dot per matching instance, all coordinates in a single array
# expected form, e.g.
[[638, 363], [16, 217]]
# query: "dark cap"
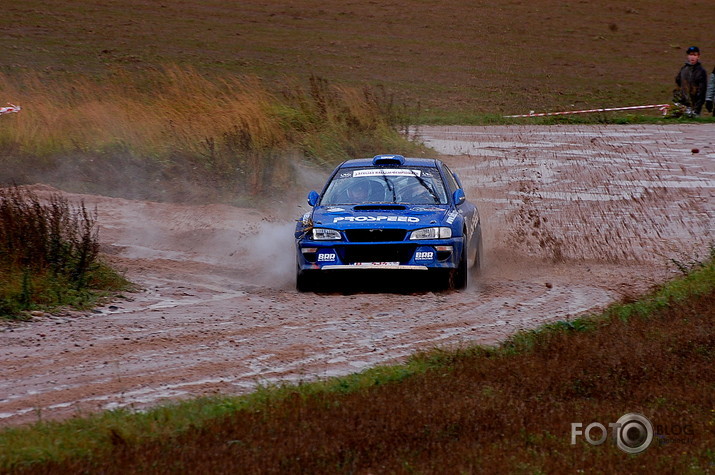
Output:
[[692, 49]]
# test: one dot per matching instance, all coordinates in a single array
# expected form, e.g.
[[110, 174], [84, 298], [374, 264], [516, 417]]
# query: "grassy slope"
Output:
[[457, 57], [175, 134]]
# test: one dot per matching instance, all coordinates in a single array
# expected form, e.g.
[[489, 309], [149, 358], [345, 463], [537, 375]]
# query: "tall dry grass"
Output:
[[174, 124], [156, 114]]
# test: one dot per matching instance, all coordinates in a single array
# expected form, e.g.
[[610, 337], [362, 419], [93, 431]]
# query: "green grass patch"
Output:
[[49, 255]]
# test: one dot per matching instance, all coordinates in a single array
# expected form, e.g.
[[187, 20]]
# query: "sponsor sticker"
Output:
[[326, 257], [387, 172], [425, 208], [451, 216], [360, 219], [376, 264], [424, 255]]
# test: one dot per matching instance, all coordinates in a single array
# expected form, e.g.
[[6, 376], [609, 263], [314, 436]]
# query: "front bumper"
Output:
[[407, 255]]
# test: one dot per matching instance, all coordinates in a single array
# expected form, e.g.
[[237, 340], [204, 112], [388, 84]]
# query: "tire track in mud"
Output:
[[574, 218]]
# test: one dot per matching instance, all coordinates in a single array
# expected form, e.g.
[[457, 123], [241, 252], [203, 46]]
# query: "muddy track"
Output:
[[574, 217]]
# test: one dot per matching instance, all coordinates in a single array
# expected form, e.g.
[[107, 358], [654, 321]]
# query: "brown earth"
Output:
[[471, 57], [574, 217]]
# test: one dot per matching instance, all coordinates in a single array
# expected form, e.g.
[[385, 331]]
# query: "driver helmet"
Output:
[[359, 190]]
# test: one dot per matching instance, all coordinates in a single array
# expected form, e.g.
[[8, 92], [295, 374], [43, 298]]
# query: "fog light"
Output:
[[443, 252]]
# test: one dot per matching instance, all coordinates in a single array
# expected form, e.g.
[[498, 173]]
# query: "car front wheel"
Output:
[[305, 281], [477, 251], [457, 278]]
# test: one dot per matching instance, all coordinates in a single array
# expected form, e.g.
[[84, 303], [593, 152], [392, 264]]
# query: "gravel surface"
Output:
[[574, 218]]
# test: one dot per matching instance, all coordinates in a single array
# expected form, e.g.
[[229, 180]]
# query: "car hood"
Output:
[[384, 216]]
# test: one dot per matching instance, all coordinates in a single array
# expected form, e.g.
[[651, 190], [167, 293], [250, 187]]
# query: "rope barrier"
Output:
[[663, 108]]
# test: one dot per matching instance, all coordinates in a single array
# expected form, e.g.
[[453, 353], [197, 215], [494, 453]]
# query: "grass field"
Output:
[[216, 100], [457, 58]]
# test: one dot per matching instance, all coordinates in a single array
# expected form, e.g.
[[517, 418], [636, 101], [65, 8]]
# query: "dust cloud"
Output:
[[270, 253]]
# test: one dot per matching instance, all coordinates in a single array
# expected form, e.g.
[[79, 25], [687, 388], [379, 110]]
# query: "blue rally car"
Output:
[[389, 213]]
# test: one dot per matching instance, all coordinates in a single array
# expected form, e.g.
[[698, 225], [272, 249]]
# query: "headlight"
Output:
[[432, 233], [323, 234]]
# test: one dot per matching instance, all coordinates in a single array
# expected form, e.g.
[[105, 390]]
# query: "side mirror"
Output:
[[458, 196], [313, 197]]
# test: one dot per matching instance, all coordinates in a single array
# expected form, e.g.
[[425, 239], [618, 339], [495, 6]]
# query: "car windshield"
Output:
[[414, 185]]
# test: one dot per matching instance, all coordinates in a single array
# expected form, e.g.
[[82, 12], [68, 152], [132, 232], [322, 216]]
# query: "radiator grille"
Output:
[[375, 235], [378, 253]]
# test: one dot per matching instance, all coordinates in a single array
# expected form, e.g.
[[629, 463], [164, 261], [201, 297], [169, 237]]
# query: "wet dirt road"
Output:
[[574, 217]]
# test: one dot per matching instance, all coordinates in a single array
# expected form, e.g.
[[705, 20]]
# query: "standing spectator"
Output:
[[710, 94], [692, 83]]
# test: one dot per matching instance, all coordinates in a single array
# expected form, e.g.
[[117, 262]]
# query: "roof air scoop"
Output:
[[382, 160]]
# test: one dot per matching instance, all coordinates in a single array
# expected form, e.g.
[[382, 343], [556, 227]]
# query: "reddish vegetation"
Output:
[[482, 413]]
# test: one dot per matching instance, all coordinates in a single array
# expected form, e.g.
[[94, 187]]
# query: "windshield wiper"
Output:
[[426, 186], [390, 187]]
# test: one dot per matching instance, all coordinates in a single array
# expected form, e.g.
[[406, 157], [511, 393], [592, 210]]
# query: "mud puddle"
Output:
[[575, 217]]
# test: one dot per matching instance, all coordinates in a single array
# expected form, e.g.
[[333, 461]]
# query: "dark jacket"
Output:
[[710, 94], [693, 82]]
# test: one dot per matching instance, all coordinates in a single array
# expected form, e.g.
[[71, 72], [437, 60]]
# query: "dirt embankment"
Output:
[[574, 217]]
